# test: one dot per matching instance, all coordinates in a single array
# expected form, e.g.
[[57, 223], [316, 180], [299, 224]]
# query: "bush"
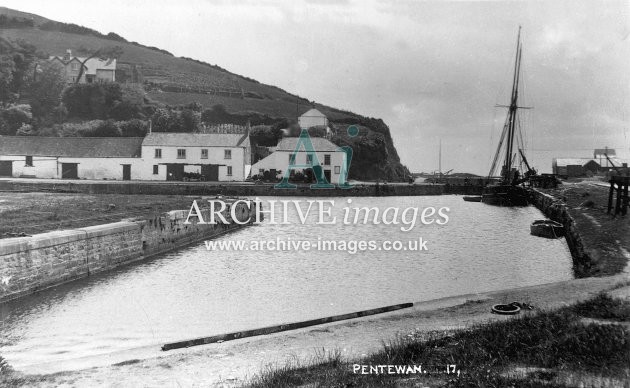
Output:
[[25, 130], [216, 115], [265, 135], [86, 128], [106, 129], [13, 118], [133, 128], [125, 110]]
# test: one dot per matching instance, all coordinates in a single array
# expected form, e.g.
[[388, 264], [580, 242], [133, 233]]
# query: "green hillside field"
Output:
[[177, 81]]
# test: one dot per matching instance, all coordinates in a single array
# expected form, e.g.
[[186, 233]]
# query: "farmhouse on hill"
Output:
[[95, 69]]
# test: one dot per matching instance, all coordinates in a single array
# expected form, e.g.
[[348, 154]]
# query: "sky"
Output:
[[432, 70]]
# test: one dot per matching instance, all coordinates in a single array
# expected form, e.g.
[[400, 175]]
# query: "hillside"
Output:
[[176, 81]]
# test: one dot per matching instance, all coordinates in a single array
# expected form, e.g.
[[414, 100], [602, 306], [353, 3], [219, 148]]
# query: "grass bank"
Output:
[[32, 213], [605, 237], [548, 348]]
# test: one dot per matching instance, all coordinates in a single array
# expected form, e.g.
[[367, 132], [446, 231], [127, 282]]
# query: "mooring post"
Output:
[[618, 203], [610, 194], [625, 198]]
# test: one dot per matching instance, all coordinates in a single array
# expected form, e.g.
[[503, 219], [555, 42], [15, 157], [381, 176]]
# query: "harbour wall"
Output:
[[32, 264], [232, 189], [557, 211]]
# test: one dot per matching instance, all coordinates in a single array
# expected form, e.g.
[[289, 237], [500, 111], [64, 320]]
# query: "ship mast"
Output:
[[513, 107]]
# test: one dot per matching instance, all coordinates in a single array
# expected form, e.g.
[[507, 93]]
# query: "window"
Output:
[[291, 158], [337, 170], [309, 159], [327, 160], [261, 170], [229, 170], [204, 153], [29, 161], [228, 154], [181, 153], [158, 153], [75, 67], [156, 169]]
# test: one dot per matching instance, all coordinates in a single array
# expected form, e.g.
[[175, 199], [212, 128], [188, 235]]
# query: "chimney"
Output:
[[68, 55]]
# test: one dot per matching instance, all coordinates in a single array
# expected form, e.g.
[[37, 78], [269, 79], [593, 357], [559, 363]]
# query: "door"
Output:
[[210, 172], [126, 172], [327, 175], [69, 170], [174, 172], [6, 168]]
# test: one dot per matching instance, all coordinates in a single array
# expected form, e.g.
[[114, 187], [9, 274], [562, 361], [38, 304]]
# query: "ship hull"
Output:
[[505, 195]]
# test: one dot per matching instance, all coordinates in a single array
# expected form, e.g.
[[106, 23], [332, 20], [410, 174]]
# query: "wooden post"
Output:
[[610, 195], [618, 203], [625, 199]]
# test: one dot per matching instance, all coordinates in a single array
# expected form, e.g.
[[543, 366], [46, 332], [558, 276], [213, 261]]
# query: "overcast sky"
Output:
[[432, 70]]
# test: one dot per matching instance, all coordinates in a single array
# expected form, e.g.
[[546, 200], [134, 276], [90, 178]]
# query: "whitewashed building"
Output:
[[330, 156], [158, 156], [312, 118], [315, 119], [116, 158], [215, 156]]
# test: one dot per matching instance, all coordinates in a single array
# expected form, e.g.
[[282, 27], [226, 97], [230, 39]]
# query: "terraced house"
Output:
[[207, 156], [158, 156]]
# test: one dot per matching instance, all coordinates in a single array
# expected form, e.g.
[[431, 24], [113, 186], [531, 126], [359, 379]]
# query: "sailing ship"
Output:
[[509, 190]]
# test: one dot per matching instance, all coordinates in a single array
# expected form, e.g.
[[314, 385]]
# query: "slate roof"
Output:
[[195, 139], [91, 65], [313, 113], [573, 161], [75, 147], [319, 144]]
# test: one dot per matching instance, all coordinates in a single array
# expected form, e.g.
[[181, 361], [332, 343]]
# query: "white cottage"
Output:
[[330, 156], [116, 158], [214, 156], [313, 118]]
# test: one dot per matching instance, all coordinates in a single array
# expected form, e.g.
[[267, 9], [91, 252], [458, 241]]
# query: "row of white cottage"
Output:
[[158, 157]]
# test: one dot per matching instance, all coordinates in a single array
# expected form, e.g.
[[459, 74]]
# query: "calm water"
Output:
[[195, 292]]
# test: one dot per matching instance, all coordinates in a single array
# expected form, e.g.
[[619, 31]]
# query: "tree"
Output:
[[103, 52], [45, 89], [189, 120], [165, 120], [16, 62], [92, 101]]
